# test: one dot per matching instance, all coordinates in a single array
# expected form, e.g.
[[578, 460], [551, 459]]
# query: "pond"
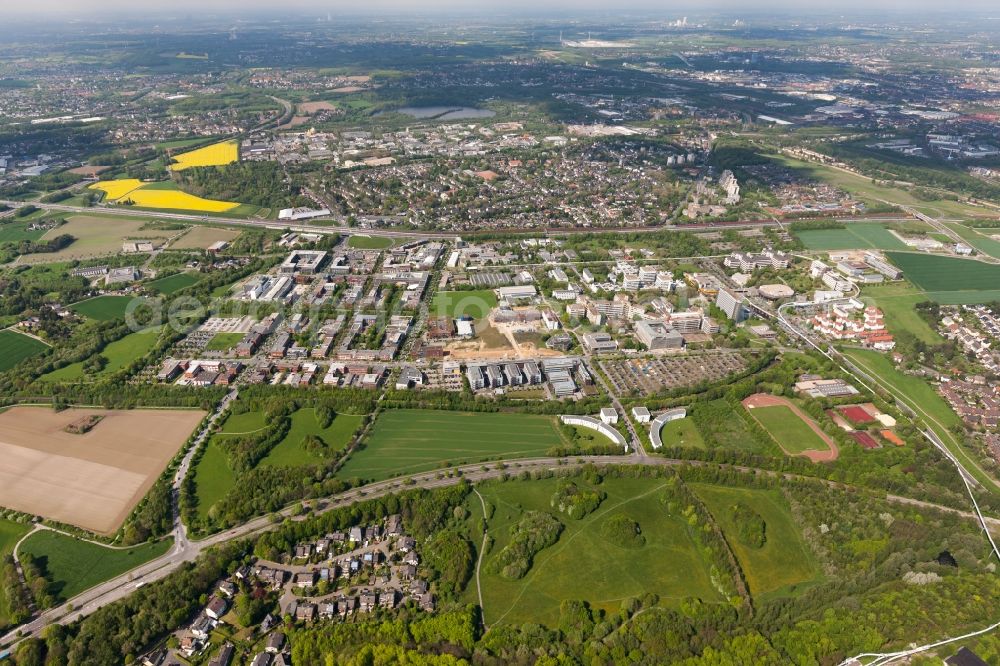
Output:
[[442, 112]]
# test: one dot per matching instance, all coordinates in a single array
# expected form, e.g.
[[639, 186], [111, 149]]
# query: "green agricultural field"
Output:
[[10, 534], [289, 451], [941, 276], [898, 301], [174, 283], [476, 304], [681, 432], [103, 308], [213, 478], [223, 341], [370, 242], [668, 564], [924, 400], [783, 565], [120, 354], [791, 432], [406, 441], [74, 566], [857, 235], [15, 347]]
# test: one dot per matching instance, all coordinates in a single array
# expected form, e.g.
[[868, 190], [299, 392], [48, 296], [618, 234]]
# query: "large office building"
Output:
[[303, 262], [882, 266], [656, 335], [598, 342], [732, 304]]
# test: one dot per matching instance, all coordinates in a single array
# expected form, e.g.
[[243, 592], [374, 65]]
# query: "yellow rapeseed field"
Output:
[[178, 200], [217, 154], [116, 189]]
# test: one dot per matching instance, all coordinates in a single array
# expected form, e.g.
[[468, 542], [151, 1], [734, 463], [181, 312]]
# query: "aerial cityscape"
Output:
[[539, 334]]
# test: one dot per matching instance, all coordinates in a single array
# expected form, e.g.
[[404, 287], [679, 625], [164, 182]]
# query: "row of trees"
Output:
[[857, 607]]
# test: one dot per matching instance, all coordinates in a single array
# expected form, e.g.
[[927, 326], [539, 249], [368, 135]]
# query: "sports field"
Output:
[[217, 154], [15, 347], [476, 304], [103, 308], [174, 283], [668, 564], [75, 566], [794, 431], [856, 235], [925, 401], [946, 278], [783, 563], [95, 237], [91, 480], [405, 441], [370, 242]]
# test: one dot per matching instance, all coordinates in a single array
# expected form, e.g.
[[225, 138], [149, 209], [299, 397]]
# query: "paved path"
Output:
[[120, 587]]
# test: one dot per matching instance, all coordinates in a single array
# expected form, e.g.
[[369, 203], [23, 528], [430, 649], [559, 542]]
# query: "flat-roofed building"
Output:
[[657, 335]]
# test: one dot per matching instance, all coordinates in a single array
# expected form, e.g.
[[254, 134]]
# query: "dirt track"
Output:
[[768, 400]]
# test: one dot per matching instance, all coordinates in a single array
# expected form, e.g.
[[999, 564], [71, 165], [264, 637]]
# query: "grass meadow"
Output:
[[476, 304], [174, 283], [120, 354], [784, 563], [370, 242], [668, 564], [289, 451], [75, 566], [406, 441]]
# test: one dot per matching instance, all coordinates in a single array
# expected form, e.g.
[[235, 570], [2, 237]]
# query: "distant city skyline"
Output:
[[93, 7]]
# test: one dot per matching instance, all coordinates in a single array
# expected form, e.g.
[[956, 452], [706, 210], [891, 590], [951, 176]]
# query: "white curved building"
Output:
[[657, 424], [595, 424]]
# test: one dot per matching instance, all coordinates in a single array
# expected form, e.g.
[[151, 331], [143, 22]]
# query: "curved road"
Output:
[[187, 551]]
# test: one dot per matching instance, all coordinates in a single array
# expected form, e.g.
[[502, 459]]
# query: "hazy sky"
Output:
[[666, 7]]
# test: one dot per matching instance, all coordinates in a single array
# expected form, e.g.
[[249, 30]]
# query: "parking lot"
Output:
[[645, 376]]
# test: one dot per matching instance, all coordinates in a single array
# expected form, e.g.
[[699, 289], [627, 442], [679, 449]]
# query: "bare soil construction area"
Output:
[[94, 479]]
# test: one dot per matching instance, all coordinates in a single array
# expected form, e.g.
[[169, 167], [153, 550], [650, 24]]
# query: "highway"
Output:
[[187, 551], [341, 227]]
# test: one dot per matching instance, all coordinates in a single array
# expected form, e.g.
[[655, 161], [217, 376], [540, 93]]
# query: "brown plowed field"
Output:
[[91, 480]]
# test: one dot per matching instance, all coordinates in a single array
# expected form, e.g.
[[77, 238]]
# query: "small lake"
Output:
[[442, 112]]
